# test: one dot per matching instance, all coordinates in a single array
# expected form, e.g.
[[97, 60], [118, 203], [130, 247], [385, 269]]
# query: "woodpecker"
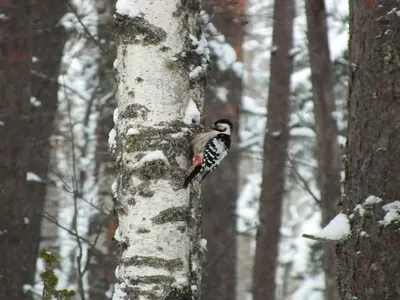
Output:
[[209, 149]]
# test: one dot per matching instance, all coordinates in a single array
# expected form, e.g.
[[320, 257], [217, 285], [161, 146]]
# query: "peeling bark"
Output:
[[368, 261], [159, 222], [275, 144]]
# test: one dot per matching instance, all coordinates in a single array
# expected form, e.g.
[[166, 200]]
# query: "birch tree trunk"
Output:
[[328, 154], [275, 144], [368, 261], [161, 61]]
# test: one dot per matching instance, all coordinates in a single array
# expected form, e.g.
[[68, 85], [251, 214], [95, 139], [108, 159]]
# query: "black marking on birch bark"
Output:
[[165, 49], [134, 293], [138, 31], [172, 214], [156, 279], [134, 111], [180, 293], [142, 230], [160, 137], [154, 262]]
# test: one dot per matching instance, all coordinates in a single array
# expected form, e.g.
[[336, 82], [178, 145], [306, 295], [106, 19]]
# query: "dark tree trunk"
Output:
[[328, 155], [368, 264], [103, 262], [221, 189], [28, 31], [275, 144]]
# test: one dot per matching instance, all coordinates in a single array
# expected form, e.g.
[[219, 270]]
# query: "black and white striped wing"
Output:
[[214, 152]]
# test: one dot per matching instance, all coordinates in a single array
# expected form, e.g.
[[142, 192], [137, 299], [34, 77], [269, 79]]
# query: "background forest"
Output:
[[279, 70]]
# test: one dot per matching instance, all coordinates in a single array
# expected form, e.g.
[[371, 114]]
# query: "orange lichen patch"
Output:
[[196, 160]]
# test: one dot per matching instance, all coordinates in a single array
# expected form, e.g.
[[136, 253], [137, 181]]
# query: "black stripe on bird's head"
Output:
[[223, 125]]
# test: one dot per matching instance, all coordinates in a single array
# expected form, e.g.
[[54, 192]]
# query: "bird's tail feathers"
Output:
[[192, 174]]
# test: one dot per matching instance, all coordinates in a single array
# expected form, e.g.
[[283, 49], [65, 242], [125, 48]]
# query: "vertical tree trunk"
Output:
[[103, 257], [48, 39], [275, 144], [368, 261], [19, 240], [161, 58], [328, 155], [219, 219]]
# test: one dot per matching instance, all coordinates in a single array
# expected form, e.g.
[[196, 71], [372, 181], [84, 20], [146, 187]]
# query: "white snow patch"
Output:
[[302, 132], [196, 72], [151, 156], [115, 64], [311, 288], [114, 187], [3, 17], [26, 221], [128, 8], [112, 142], [2, 123], [35, 102], [392, 213], [119, 294], [201, 45], [372, 200], [33, 177], [221, 93], [115, 115], [276, 133], [132, 131], [360, 209], [180, 282], [177, 135], [117, 236], [35, 59], [192, 114], [203, 244], [337, 229]]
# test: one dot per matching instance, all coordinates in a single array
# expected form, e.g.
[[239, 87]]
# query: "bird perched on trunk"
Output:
[[209, 149]]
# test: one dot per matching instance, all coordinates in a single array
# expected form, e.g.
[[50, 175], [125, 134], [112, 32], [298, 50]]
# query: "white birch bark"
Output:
[[161, 62]]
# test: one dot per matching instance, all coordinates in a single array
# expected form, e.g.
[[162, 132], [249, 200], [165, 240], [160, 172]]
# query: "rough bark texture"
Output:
[[159, 222], [328, 155], [275, 144], [368, 261], [220, 190]]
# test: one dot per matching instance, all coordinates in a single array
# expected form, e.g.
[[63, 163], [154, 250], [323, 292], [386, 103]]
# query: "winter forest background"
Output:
[[84, 163]]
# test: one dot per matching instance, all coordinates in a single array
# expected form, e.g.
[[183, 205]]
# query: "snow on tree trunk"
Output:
[[161, 62], [368, 262], [328, 154], [275, 145]]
